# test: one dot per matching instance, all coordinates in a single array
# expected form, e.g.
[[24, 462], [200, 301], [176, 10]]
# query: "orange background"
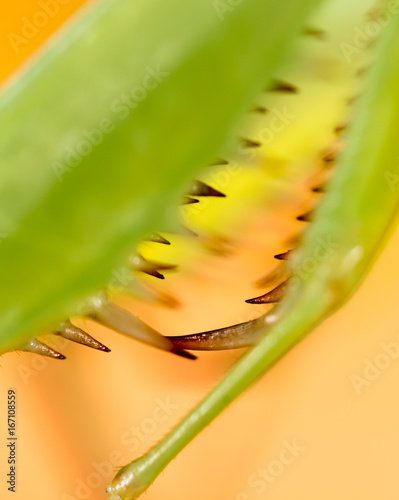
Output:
[[74, 413]]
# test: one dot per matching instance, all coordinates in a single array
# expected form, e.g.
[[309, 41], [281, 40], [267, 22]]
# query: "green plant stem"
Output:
[[135, 478]]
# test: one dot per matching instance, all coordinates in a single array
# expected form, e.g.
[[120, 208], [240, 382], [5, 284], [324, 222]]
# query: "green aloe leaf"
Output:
[[102, 131], [350, 228]]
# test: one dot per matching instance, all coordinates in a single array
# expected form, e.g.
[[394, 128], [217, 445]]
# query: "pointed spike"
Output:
[[340, 128], [249, 143], [315, 32], [319, 189], [157, 238], [186, 200], [256, 108], [275, 295], [306, 217], [231, 337], [124, 322], [280, 86], [199, 188], [284, 256], [140, 264], [154, 273], [38, 347], [150, 268], [71, 332], [217, 162], [330, 156], [162, 267]]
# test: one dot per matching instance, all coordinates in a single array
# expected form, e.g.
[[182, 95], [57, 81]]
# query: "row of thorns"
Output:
[[236, 336]]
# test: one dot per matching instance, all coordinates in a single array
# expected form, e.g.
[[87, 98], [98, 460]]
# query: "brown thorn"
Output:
[[150, 268], [280, 86], [231, 337], [38, 347], [315, 32], [218, 161], [124, 322], [199, 188], [271, 297], [157, 238], [330, 156], [340, 128], [256, 108], [186, 200], [306, 217], [321, 188], [249, 143], [284, 256], [71, 332]]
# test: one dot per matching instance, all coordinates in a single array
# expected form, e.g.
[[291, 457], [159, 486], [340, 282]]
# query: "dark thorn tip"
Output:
[[187, 200], [200, 188], [249, 143], [218, 161], [281, 86], [182, 353], [157, 238], [258, 109], [283, 256], [272, 297], [319, 189], [315, 32], [307, 217]]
